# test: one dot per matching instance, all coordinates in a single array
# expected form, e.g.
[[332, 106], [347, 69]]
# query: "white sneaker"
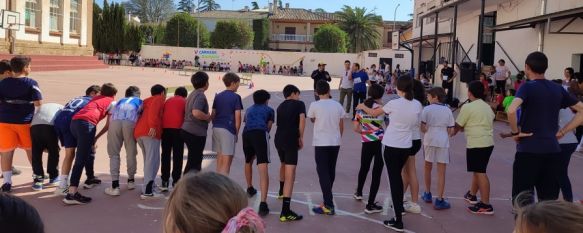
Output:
[[412, 207], [61, 191], [152, 195], [131, 185], [112, 191]]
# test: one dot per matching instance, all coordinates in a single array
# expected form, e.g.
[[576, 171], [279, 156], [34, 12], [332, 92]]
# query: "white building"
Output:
[[53, 27], [511, 30]]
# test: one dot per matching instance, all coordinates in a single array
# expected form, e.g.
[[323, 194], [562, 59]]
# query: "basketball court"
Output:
[[127, 213]]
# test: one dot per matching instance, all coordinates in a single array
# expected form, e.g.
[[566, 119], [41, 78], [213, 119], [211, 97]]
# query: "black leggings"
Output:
[[395, 158], [326, 157], [564, 182], [172, 150], [357, 98], [44, 137], [195, 145], [370, 151]]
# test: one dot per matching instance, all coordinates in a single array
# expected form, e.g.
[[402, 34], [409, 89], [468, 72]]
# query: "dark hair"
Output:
[[569, 70], [439, 93], [512, 92], [18, 216], [157, 90], [375, 92], [108, 90], [476, 88], [322, 87], [290, 89], [133, 91], [502, 60], [537, 62], [199, 79], [579, 77], [91, 89], [4, 66], [520, 75], [230, 78], [419, 92], [18, 63], [347, 61], [357, 65], [405, 84], [181, 91], [261, 96]]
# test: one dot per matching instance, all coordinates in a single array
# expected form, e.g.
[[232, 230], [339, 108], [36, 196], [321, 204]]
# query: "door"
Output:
[[388, 61]]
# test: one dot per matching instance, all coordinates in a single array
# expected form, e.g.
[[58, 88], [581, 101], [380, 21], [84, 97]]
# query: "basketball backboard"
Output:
[[10, 20]]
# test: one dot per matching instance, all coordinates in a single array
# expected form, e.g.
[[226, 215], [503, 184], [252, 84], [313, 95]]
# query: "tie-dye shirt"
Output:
[[127, 109], [371, 127]]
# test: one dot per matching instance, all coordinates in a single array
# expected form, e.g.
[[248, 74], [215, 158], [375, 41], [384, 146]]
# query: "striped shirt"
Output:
[[371, 127]]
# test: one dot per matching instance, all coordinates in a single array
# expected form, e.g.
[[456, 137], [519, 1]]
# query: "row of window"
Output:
[[33, 15]]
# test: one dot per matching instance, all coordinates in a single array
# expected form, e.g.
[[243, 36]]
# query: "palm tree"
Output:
[[254, 6], [361, 27], [208, 5]]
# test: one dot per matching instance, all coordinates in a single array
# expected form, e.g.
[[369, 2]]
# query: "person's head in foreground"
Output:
[[405, 87], [375, 94], [209, 202], [261, 97], [232, 81], [181, 91], [5, 70], [549, 217], [475, 90], [323, 88], [291, 92], [536, 65], [436, 95], [20, 65], [17, 216]]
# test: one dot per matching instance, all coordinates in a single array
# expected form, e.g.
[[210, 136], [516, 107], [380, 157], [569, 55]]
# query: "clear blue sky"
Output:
[[384, 8]]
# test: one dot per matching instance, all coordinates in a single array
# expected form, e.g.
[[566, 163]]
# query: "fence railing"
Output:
[[291, 37]]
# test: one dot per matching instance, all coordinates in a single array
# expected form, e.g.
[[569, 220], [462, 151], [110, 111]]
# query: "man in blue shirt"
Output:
[[536, 162], [360, 79]]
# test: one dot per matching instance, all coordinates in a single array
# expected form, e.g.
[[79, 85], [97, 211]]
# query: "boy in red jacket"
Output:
[[148, 133]]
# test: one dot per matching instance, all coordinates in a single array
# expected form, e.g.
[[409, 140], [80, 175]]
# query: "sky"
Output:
[[385, 8]]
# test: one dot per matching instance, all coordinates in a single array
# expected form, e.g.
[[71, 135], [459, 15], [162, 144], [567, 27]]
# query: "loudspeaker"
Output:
[[467, 72]]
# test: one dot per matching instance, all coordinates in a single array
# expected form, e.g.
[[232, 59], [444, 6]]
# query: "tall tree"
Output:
[[151, 11], [232, 34], [361, 26], [182, 30], [319, 10], [280, 4], [254, 6], [261, 34], [330, 39], [186, 5], [208, 5]]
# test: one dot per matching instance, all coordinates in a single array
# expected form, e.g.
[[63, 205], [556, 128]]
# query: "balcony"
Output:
[[292, 38]]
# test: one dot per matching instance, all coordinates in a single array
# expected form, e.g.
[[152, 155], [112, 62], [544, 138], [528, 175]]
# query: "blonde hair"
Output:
[[550, 217], [204, 203]]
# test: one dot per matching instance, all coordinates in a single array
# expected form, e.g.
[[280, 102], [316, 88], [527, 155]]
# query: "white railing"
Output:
[[291, 37]]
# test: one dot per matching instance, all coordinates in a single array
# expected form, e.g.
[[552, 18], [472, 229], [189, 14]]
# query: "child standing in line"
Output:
[[5, 70], [43, 136], [258, 121], [19, 95], [121, 132], [508, 99], [172, 143], [326, 114], [371, 133], [84, 128], [148, 132], [227, 108], [437, 123]]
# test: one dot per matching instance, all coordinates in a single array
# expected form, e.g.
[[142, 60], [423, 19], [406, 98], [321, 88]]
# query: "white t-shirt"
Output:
[[403, 117], [565, 115], [437, 118], [328, 114], [501, 73], [345, 82], [46, 114]]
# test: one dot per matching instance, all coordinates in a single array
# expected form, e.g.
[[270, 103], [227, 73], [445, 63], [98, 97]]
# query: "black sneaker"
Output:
[[394, 225], [373, 208], [6, 188], [164, 186], [91, 182], [481, 208], [251, 191], [471, 198], [76, 199], [290, 217], [263, 209]]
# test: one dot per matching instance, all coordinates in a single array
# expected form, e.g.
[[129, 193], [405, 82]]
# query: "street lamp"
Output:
[[395, 16]]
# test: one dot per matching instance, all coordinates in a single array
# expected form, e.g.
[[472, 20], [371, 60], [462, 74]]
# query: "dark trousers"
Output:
[[172, 150], [564, 182], [370, 151], [326, 157], [357, 98], [395, 159], [195, 145], [44, 137], [449, 90], [501, 85], [538, 172], [84, 132], [579, 133]]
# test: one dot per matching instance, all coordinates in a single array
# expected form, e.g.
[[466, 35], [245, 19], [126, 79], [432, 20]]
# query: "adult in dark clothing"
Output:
[[447, 77], [320, 74]]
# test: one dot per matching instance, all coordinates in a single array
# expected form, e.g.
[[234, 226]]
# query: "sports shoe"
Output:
[[471, 198], [76, 199], [412, 207], [153, 195], [481, 208], [164, 186], [37, 185], [394, 225], [112, 191], [91, 182], [290, 217], [61, 191], [263, 209], [54, 182], [6, 188], [251, 191], [357, 196], [279, 196], [441, 204], [324, 210], [131, 185], [373, 208], [427, 197]]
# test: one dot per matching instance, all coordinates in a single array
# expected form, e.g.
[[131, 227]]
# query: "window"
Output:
[[32, 14], [56, 15], [75, 17], [290, 30], [389, 37]]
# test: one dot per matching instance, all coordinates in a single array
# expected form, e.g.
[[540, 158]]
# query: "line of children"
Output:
[[44, 137], [172, 142]]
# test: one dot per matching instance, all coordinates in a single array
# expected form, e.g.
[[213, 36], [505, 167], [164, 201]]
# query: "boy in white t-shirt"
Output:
[[326, 114], [437, 123]]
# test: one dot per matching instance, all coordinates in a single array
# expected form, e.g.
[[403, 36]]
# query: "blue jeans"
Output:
[[84, 132]]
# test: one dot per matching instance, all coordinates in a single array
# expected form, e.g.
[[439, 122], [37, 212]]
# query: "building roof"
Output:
[[398, 23], [227, 14], [301, 15]]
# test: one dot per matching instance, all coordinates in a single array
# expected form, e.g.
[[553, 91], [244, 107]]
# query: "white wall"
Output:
[[516, 48]]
